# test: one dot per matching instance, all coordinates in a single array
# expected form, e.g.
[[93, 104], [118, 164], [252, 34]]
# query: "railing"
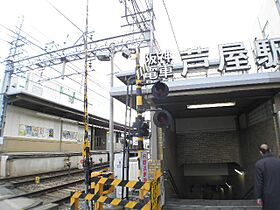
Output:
[[174, 186], [248, 193]]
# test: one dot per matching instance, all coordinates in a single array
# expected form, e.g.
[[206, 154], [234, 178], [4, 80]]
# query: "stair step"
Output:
[[196, 204], [198, 207]]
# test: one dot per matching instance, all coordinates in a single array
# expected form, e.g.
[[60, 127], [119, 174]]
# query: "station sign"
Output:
[[232, 58]]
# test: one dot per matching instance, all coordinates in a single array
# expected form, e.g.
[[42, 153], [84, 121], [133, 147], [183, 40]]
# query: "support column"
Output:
[[153, 139]]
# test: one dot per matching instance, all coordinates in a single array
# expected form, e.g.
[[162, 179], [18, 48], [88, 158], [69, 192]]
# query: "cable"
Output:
[[65, 17], [171, 26], [27, 41]]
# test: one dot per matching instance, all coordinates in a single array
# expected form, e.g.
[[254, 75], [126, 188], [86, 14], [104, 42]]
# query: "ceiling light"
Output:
[[241, 173], [203, 106], [229, 186]]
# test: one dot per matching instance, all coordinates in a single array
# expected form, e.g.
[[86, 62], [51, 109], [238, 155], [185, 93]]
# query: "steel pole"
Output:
[[111, 120], [4, 100]]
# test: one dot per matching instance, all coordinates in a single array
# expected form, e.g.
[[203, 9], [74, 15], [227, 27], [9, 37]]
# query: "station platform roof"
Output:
[[33, 102]]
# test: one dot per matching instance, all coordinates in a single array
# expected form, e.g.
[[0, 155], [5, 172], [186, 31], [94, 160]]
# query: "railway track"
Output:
[[55, 188]]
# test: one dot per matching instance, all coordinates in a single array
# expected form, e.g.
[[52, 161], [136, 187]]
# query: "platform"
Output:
[[25, 163]]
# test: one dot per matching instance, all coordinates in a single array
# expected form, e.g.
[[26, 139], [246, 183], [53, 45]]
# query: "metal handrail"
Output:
[[175, 188]]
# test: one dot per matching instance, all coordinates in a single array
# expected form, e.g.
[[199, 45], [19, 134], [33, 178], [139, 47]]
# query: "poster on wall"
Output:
[[34, 131], [28, 130], [51, 134], [72, 135], [22, 131], [41, 133]]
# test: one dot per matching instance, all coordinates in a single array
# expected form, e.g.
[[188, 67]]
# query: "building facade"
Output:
[[35, 124]]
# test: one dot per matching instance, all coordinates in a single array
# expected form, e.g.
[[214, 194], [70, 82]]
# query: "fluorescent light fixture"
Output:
[[241, 173], [203, 106], [103, 56], [229, 186]]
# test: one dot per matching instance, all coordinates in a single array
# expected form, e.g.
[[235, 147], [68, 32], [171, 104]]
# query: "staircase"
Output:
[[190, 204]]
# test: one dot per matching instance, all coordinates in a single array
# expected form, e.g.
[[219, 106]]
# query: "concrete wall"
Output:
[[259, 130], [251, 138], [170, 155], [20, 144], [30, 163], [28, 130]]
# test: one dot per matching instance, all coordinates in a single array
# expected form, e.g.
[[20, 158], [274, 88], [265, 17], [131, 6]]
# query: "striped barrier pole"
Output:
[[74, 201], [140, 110]]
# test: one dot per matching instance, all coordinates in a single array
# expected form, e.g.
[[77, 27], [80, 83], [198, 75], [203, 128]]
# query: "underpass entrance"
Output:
[[211, 149]]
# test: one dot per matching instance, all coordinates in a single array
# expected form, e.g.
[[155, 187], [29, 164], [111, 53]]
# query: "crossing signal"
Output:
[[162, 118], [160, 90]]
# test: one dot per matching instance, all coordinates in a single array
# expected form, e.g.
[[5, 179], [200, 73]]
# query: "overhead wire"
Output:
[[65, 17], [46, 51], [171, 25], [77, 72], [37, 45]]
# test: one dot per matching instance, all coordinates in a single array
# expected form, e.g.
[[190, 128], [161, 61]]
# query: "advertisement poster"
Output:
[[28, 130], [22, 131], [34, 131]]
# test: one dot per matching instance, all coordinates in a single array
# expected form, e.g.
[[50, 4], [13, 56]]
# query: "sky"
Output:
[[196, 23]]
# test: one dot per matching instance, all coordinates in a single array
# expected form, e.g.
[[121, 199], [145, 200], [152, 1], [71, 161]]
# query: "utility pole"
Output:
[[7, 78], [4, 90], [151, 47], [111, 121], [139, 109], [153, 139], [85, 151]]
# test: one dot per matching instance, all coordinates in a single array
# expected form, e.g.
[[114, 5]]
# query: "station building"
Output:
[[35, 124], [210, 152], [42, 135]]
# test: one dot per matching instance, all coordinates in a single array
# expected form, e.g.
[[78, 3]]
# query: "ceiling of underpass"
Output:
[[247, 91], [245, 100]]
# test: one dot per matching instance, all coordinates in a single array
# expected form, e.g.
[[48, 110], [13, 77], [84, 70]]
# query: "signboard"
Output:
[[144, 166], [232, 58], [157, 66]]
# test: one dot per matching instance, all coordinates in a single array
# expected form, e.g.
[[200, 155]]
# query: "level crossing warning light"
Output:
[[162, 118], [160, 90]]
